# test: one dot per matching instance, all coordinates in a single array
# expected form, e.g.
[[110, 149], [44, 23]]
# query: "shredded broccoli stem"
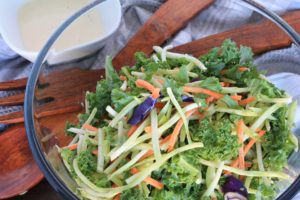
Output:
[[265, 99], [81, 143], [138, 74], [123, 86], [128, 164], [250, 133], [259, 157], [81, 132], [121, 136], [179, 109], [131, 140], [127, 74], [190, 66], [155, 58], [175, 118], [246, 113], [156, 83], [124, 111], [164, 110], [210, 174], [100, 160], [116, 180], [115, 164], [248, 182], [111, 111], [246, 173], [259, 121], [187, 166], [199, 179], [195, 83], [74, 140], [164, 52], [91, 117], [86, 103], [215, 181], [292, 113], [196, 61], [294, 140], [173, 72], [92, 188], [235, 90], [148, 170], [155, 136]]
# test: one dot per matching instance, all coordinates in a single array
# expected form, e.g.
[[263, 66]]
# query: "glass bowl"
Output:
[[46, 90]]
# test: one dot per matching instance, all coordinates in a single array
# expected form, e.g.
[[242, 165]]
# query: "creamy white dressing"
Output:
[[39, 19]]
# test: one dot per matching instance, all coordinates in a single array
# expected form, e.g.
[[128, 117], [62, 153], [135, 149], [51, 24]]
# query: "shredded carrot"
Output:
[[248, 147], [202, 91], [160, 81], [89, 127], [236, 97], [166, 139], [247, 101], [147, 154], [183, 104], [176, 130], [226, 84], [123, 78], [95, 152], [253, 141], [155, 93], [248, 164], [242, 69], [144, 84], [148, 86], [117, 197], [159, 105], [148, 129], [132, 130], [210, 99], [158, 185], [241, 141], [72, 147], [222, 72]]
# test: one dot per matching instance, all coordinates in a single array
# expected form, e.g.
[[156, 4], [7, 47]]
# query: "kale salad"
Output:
[[175, 127]]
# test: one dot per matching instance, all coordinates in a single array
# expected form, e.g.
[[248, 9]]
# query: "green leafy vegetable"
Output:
[[133, 194], [229, 101], [219, 143], [120, 99], [211, 83]]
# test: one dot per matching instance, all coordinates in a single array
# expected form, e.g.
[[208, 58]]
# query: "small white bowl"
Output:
[[109, 11]]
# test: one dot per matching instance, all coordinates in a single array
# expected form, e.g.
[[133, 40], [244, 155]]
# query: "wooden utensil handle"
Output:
[[167, 20], [261, 37]]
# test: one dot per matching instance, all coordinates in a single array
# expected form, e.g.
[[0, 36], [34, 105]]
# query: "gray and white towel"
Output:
[[136, 12]]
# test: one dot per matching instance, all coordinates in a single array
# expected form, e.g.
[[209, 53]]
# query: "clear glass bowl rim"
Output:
[[34, 145]]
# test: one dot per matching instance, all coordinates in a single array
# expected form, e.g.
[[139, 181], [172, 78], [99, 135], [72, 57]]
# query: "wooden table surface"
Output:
[[42, 191]]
